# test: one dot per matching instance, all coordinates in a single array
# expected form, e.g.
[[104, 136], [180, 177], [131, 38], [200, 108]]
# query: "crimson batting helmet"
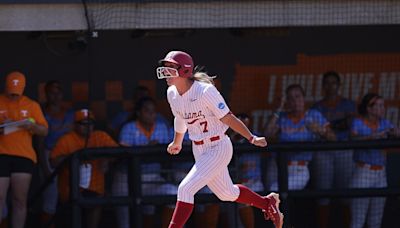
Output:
[[182, 59]]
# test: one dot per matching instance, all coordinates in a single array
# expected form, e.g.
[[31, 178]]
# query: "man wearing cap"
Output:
[[92, 172], [17, 156]]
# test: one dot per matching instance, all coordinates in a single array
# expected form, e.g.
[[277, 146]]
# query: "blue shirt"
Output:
[[360, 127], [249, 164], [297, 131], [133, 135], [121, 118], [186, 139], [250, 167], [336, 114], [58, 127]]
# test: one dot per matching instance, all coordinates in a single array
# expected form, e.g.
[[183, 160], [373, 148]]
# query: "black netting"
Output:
[[136, 14]]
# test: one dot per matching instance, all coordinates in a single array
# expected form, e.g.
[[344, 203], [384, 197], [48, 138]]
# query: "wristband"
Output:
[[252, 139]]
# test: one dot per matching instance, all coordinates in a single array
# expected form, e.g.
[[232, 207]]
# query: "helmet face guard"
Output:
[[180, 58], [166, 72]]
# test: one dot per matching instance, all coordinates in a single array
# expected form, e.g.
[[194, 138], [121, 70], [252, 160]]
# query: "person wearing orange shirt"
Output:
[[23, 118], [92, 181]]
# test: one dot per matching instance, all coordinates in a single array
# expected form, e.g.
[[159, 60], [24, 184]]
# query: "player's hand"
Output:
[[174, 149], [29, 125], [316, 128], [260, 141], [380, 135]]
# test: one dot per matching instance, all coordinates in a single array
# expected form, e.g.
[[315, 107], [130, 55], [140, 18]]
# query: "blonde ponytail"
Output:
[[203, 77]]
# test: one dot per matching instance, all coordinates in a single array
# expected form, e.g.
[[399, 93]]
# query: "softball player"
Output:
[[370, 171], [295, 125], [199, 108], [334, 166]]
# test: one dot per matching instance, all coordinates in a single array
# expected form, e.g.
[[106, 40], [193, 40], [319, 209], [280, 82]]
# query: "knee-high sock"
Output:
[[247, 196], [181, 214]]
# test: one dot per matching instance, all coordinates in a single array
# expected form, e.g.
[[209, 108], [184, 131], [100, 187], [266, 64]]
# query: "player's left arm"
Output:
[[237, 125], [328, 133], [216, 103]]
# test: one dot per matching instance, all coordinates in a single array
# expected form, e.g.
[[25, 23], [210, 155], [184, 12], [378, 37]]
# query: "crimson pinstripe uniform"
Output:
[[199, 108], [202, 107]]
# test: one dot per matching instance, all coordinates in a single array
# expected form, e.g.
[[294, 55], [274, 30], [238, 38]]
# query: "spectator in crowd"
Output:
[[124, 116], [17, 156], [296, 124], [61, 120], [370, 171], [334, 166], [249, 173], [91, 172], [144, 130]]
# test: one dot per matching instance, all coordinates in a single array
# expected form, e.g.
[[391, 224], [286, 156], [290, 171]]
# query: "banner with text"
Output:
[[257, 90]]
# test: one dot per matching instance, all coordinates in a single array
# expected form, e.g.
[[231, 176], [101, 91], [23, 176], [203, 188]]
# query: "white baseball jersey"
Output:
[[202, 107]]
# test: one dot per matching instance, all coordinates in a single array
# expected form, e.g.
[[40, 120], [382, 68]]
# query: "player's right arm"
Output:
[[180, 126], [272, 127], [180, 129], [176, 145]]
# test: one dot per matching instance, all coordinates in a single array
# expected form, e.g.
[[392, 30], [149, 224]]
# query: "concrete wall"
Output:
[[229, 14]]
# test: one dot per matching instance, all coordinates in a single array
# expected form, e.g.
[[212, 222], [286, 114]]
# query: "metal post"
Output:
[[135, 191], [74, 191], [283, 185]]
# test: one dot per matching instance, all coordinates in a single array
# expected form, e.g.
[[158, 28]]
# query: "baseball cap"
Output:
[[15, 83], [84, 116]]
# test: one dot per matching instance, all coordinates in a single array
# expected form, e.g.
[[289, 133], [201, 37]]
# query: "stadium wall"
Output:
[[252, 64]]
